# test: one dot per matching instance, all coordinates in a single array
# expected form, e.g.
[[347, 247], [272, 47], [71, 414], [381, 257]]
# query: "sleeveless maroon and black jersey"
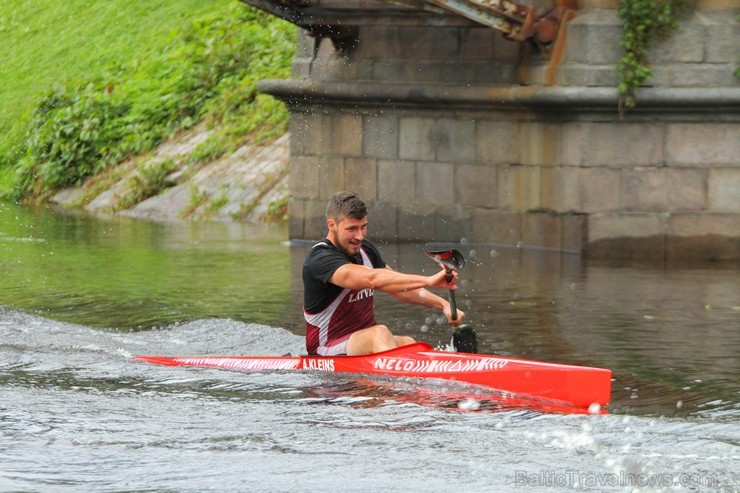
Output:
[[333, 313]]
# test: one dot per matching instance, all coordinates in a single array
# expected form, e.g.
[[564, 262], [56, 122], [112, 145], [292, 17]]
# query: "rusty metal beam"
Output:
[[498, 14], [517, 22]]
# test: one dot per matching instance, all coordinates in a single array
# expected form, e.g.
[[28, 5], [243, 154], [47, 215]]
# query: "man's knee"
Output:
[[404, 340], [383, 331]]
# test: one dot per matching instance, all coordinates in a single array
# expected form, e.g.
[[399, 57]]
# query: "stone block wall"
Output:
[[701, 53], [414, 54], [571, 186], [452, 133]]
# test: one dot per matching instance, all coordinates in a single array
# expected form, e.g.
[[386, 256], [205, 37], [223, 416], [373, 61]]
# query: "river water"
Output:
[[79, 296]]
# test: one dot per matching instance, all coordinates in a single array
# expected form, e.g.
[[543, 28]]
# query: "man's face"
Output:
[[347, 234]]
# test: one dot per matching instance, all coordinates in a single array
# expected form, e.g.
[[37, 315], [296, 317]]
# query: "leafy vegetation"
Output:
[[148, 182], [277, 211], [217, 202], [204, 70], [644, 21], [198, 197]]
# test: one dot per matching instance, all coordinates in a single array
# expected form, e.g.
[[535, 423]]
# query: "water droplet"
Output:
[[468, 405]]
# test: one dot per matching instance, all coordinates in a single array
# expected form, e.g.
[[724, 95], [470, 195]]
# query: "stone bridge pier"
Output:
[[504, 129]]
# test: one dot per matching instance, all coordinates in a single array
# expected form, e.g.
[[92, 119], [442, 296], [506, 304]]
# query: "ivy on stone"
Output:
[[644, 21]]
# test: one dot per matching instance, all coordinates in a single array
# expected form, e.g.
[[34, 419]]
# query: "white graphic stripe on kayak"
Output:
[[241, 364]]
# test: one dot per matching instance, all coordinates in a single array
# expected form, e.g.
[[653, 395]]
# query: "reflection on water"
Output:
[[130, 274], [669, 333]]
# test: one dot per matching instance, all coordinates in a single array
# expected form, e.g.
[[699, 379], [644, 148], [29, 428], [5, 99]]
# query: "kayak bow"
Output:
[[576, 386]]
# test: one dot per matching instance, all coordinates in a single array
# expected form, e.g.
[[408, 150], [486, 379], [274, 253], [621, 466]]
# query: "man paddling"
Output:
[[340, 276]]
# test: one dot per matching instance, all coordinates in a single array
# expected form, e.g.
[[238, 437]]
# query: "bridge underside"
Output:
[[339, 20]]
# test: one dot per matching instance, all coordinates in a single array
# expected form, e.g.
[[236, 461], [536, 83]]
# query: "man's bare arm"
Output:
[[426, 298], [354, 276]]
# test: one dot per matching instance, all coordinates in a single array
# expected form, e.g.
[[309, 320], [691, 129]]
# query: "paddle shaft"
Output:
[[464, 338], [453, 301]]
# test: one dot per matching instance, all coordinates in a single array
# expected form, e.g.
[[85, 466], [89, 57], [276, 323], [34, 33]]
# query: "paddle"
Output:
[[464, 338]]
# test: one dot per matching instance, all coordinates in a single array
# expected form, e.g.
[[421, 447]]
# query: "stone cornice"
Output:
[[723, 102]]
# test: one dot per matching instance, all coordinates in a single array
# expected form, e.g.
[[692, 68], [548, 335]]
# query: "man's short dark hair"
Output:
[[345, 204]]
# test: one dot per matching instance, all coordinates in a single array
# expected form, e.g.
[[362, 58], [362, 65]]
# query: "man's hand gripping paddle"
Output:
[[464, 338]]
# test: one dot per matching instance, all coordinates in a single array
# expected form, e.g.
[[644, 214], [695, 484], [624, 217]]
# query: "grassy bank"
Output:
[[84, 86]]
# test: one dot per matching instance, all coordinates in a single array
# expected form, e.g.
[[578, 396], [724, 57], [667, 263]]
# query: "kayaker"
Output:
[[340, 276]]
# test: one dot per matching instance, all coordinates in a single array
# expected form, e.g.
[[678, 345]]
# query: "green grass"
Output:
[[91, 84], [47, 42]]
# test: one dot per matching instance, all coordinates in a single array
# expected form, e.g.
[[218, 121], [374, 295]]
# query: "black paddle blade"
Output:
[[449, 259], [465, 340]]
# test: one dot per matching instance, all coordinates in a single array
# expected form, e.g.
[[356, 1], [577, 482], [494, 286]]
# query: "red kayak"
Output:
[[581, 387]]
